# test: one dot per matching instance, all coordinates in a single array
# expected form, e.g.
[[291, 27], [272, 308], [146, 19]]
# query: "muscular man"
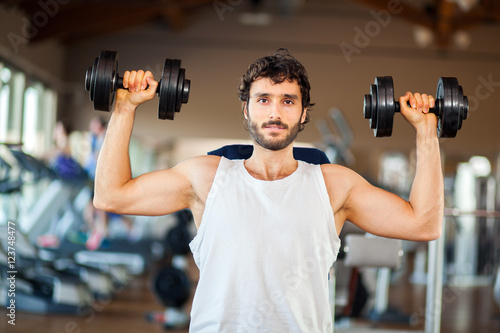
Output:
[[268, 226]]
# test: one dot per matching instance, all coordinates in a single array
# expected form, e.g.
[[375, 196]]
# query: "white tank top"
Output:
[[264, 250]]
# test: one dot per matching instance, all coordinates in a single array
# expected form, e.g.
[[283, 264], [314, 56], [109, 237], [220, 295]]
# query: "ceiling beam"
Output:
[[443, 28], [404, 11], [91, 20], [79, 19]]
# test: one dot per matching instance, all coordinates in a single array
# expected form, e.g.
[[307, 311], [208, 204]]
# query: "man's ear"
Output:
[[304, 115], [245, 110]]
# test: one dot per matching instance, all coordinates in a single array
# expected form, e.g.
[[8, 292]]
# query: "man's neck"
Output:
[[268, 164]]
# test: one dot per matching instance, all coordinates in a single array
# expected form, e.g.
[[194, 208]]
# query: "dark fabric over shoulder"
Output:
[[238, 151]]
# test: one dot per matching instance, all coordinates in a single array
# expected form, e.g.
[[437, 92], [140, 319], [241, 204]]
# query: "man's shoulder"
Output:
[[202, 163], [334, 169], [338, 175]]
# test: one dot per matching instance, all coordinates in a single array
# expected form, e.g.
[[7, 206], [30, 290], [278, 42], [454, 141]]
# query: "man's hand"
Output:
[[418, 114], [135, 92]]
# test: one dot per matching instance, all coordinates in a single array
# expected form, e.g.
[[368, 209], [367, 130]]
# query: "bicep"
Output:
[[380, 212], [167, 191], [155, 193]]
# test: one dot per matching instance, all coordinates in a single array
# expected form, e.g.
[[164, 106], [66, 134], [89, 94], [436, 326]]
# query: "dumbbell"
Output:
[[102, 81], [451, 106]]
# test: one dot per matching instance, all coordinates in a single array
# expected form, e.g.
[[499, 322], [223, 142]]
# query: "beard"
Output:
[[272, 143]]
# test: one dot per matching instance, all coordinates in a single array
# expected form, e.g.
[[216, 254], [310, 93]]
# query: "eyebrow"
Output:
[[264, 94]]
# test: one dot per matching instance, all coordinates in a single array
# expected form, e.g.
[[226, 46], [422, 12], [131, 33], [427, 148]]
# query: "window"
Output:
[[38, 119], [27, 111], [27, 116], [5, 75]]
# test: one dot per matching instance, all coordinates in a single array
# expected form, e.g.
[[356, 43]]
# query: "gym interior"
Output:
[[67, 267]]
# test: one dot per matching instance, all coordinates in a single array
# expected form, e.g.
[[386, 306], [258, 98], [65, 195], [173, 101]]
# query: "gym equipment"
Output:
[[336, 144], [451, 106], [134, 263], [436, 268], [179, 236], [170, 318], [381, 253], [102, 81], [170, 284], [40, 290], [172, 287]]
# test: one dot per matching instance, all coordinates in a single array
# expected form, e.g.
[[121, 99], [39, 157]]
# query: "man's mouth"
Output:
[[275, 125]]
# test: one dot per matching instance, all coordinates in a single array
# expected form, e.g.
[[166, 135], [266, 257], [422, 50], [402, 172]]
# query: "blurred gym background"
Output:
[[137, 274]]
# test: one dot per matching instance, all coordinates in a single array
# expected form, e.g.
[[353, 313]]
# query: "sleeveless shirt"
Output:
[[264, 250]]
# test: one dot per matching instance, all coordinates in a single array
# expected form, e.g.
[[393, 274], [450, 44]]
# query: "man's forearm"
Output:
[[427, 193], [113, 165]]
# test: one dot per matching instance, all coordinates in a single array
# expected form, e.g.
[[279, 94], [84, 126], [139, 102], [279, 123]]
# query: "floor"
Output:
[[464, 310]]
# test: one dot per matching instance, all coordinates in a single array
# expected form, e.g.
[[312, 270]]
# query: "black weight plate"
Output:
[[448, 91], [385, 111], [90, 79], [461, 105], [374, 92], [180, 89], [104, 95], [172, 287], [380, 102], [175, 96], [163, 90], [164, 106], [390, 104], [456, 105], [369, 104], [464, 106], [381, 106], [374, 105], [185, 92], [440, 95], [178, 239]]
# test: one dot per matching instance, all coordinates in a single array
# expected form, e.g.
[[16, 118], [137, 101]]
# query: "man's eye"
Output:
[[288, 102], [262, 100]]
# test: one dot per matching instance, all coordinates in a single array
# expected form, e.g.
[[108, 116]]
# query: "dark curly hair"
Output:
[[279, 67]]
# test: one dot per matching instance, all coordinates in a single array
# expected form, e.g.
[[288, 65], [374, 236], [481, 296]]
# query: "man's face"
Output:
[[274, 113]]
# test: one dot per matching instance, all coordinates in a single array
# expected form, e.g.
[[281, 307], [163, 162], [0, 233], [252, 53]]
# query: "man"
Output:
[[268, 226]]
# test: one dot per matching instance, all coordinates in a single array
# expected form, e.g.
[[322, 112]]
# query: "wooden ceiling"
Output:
[[445, 17], [74, 20]]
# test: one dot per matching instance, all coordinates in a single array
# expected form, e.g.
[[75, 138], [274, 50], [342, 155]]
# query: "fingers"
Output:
[[149, 81], [138, 80], [420, 102]]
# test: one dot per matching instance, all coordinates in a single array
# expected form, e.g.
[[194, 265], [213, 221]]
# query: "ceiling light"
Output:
[[423, 36]]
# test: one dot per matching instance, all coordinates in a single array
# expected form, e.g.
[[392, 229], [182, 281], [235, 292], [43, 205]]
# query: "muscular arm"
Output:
[[154, 193], [385, 214]]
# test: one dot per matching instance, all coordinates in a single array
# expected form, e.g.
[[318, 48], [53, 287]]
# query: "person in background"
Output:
[[60, 159], [97, 219], [97, 131], [65, 168]]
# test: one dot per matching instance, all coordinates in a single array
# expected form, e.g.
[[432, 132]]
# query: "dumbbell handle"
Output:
[[436, 109], [119, 84]]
